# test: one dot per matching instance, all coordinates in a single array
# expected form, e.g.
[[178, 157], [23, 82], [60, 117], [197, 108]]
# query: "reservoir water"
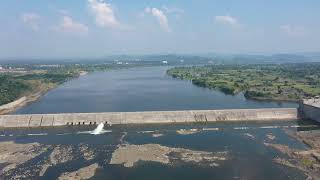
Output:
[[239, 150], [136, 89]]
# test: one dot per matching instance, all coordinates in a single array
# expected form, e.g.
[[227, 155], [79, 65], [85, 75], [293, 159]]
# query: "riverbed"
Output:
[[218, 150]]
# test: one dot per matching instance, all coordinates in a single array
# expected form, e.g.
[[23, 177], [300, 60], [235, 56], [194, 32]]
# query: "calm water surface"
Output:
[[136, 89]]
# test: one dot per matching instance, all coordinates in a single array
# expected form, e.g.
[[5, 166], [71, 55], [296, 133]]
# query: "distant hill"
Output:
[[183, 59], [264, 59]]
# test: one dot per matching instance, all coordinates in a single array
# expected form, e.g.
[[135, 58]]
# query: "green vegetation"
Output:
[[265, 82], [14, 86], [11, 88]]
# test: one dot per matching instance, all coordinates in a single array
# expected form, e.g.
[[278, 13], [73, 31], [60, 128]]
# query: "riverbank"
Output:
[[37, 92], [276, 82], [267, 99], [13, 106], [20, 89], [38, 89], [307, 160]]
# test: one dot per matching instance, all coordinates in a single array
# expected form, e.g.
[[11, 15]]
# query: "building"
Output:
[[310, 109]]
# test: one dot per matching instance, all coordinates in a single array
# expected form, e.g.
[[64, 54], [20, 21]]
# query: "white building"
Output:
[[165, 62]]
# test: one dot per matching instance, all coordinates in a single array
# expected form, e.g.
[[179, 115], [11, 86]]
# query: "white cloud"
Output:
[[63, 12], [226, 20], [70, 26], [31, 19], [161, 17], [172, 10], [103, 12], [295, 31]]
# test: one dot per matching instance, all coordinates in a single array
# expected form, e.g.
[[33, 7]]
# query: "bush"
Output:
[[11, 89], [250, 94]]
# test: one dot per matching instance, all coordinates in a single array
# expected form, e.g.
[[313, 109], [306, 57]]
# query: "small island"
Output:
[[281, 82]]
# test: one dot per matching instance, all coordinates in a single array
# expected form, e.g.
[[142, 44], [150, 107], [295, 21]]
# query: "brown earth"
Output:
[[128, 155], [308, 160], [83, 173]]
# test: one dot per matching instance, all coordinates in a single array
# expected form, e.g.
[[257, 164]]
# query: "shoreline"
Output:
[[32, 97], [22, 101], [262, 99], [271, 99]]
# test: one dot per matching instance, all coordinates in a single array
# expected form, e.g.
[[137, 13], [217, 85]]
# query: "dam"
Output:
[[148, 117], [308, 109]]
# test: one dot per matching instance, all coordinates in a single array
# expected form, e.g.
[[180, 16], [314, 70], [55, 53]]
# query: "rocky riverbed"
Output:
[[129, 155], [83, 173], [308, 160], [222, 152]]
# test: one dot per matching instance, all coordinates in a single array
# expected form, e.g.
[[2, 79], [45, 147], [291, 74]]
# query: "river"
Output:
[[137, 89], [239, 150]]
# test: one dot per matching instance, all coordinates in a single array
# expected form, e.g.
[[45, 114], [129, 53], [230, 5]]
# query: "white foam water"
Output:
[[98, 130], [40, 134], [210, 129]]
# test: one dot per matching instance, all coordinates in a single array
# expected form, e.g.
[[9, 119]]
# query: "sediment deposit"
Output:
[[308, 160], [129, 155], [14, 154], [81, 174]]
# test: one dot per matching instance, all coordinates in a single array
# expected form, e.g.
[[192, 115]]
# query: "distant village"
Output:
[[4, 69]]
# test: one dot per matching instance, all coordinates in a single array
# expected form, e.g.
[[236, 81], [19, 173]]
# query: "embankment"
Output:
[[150, 117]]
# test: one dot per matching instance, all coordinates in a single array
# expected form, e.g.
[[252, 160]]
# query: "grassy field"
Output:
[[289, 82]]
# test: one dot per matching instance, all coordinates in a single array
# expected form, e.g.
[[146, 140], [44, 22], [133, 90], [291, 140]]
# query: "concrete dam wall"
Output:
[[149, 117], [310, 109]]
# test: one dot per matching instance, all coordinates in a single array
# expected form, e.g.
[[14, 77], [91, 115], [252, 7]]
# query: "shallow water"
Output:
[[137, 89], [248, 157]]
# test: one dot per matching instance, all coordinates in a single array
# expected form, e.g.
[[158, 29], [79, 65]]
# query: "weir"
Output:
[[149, 117]]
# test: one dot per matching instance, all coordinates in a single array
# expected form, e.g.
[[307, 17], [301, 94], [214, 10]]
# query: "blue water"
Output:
[[137, 89]]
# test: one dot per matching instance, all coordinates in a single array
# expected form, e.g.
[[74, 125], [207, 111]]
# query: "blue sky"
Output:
[[95, 28]]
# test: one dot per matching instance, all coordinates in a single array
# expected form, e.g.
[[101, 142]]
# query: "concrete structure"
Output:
[[310, 109], [48, 120]]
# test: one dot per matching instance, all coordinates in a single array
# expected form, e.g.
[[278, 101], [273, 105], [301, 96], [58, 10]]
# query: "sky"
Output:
[[97, 28]]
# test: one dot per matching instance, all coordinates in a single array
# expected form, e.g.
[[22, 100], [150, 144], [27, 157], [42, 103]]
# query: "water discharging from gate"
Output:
[[98, 130]]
